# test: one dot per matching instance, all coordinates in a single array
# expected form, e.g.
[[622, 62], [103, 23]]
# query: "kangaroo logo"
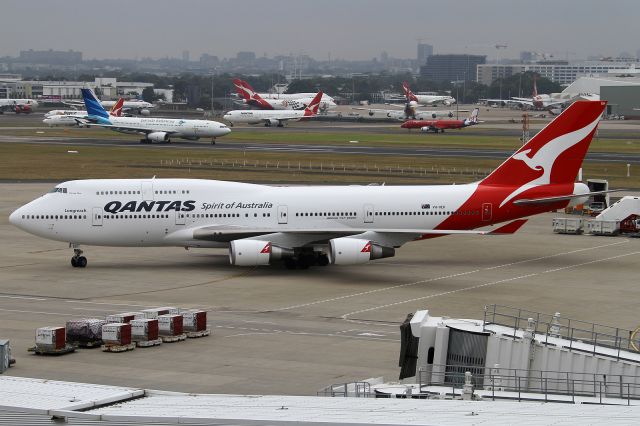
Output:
[[545, 158]]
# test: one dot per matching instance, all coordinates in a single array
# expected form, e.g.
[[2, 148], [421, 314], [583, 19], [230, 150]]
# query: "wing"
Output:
[[301, 237]]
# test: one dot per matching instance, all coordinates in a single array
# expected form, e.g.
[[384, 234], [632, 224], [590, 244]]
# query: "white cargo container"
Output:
[[144, 329], [604, 227], [116, 334], [51, 338], [124, 317], [154, 313], [568, 225]]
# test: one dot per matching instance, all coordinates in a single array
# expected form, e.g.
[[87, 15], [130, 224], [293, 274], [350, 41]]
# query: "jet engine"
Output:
[[144, 112], [425, 129], [352, 251], [272, 122], [158, 136], [256, 252], [579, 188]]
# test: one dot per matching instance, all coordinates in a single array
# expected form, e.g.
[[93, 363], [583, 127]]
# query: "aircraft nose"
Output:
[[16, 217]]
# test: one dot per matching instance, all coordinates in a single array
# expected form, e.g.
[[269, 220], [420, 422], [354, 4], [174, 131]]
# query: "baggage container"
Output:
[[154, 313], [604, 227], [194, 320], [144, 329], [86, 331], [51, 338], [5, 355], [124, 317], [170, 325], [568, 225], [116, 334]]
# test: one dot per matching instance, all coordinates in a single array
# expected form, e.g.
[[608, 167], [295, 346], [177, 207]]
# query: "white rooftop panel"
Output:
[[283, 409], [39, 395]]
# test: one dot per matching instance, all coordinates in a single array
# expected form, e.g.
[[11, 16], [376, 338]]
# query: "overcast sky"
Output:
[[344, 29]]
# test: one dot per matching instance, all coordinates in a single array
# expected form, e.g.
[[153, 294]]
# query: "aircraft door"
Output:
[[96, 217], [282, 215], [180, 218], [368, 213], [486, 212], [147, 190]]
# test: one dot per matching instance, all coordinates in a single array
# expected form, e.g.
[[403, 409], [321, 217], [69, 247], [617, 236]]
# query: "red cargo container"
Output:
[[116, 334], [194, 320], [170, 325], [51, 338]]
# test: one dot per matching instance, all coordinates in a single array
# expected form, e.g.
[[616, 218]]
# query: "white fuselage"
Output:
[[188, 129], [128, 104], [170, 212], [263, 116], [435, 99]]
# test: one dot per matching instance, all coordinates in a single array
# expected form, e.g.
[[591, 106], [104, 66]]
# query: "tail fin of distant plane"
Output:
[[93, 105], [473, 118], [408, 93], [312, 108], [116, 109], [554, 155], [535, 87], [241, 89]]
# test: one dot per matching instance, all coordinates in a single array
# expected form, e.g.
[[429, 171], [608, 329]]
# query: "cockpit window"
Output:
[[57, 189]]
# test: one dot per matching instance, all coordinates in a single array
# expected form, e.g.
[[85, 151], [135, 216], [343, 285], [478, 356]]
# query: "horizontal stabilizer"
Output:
[[509, 228], [549, 200]]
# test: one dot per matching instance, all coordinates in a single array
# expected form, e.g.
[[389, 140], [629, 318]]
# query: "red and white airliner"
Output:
[[441, 125], [426, 99], [316, 225], [297, 101]]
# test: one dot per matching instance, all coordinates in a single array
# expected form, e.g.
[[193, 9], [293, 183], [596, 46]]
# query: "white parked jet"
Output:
[[279, 101], [153, 129], [273, 117], [426, 99], [130, 107], [306, 225], [74, 117], [19, 106]]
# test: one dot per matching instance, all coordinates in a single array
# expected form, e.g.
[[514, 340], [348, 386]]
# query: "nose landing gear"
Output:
[[78, 261]]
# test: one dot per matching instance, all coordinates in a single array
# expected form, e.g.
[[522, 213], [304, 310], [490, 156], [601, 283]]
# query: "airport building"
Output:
[[451, 67], [621, 93], [561, 72], [108, 88]]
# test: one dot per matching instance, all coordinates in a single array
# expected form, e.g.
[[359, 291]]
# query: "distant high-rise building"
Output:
[[209, 61], [452, 67], [246, 57], [185, 55], [424, 51]]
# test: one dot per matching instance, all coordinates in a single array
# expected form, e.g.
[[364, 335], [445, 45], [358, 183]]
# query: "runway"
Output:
[[348, 149]]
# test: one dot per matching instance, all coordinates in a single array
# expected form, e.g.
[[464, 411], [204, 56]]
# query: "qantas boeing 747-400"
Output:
[[316, 225]]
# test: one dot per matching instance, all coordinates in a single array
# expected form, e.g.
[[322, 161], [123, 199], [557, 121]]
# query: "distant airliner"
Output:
[[316, 225], [441, 125], [153, 129]]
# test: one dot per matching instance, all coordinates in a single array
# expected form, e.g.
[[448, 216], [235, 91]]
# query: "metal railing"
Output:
[[352, 389], [574, 331], [549, 384]]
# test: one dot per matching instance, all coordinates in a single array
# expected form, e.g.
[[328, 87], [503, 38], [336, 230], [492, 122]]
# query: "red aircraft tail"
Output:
[[553, 156], [408, 93], [312, 108], [116, 109]]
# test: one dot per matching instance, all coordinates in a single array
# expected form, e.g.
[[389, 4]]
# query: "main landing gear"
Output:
[[304, 261], [78, 261]]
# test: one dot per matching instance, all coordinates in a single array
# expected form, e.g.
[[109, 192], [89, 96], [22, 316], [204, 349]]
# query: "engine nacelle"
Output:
[[256, 252], [425, 129], [273, 122], [158, 136], [144, 112], [352, 251], [578, 189]]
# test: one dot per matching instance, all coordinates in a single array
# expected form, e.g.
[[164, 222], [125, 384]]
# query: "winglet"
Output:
[[509, 228]]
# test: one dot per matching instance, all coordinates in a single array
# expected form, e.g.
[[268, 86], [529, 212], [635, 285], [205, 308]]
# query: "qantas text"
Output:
[[149, 206]]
